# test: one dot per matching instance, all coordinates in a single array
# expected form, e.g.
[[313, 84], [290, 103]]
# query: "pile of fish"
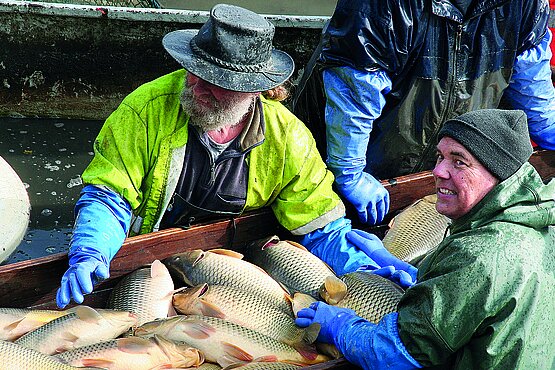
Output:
[[200, 310]]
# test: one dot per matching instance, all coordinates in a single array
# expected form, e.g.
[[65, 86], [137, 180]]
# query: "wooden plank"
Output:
[[34, 282]]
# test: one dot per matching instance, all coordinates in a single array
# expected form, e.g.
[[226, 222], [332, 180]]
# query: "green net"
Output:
[[123, 3]]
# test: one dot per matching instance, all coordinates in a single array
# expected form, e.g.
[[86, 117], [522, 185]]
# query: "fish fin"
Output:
[[311, 333], [11, 326], [137, 345], [300, 301], [233, 354], [87, 314], [98, 362], [198, 329], [333, 290], [297, 245], [306, 350], [157, 268], [262, 244], [210, 309], [267, 358], [227, 252]]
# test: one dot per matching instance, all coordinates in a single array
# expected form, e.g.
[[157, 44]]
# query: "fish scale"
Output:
[[242, 308], [416, 230], [216, 268], [291, 264], [133, 353], [14, 322], [16, 357], [81, 327], [143, 294], [369, 295], [216, 338]]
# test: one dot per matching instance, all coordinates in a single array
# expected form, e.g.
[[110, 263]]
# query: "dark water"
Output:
[[49, 156]]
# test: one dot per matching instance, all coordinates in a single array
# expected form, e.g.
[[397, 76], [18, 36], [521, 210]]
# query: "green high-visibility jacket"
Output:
[[485, 297], [140, 151]]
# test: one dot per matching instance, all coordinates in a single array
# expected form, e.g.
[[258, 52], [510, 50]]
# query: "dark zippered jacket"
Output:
[[441, 64]]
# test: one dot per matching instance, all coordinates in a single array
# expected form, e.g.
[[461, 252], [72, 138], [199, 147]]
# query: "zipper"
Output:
[[449, 102]]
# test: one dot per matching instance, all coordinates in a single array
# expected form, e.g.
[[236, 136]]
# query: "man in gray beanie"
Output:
[[484, 296]]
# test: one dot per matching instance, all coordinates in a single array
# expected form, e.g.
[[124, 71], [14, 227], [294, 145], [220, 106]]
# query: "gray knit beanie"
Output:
[[498, 138]]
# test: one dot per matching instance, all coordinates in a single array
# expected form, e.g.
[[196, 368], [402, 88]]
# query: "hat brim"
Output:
[[177, 44]]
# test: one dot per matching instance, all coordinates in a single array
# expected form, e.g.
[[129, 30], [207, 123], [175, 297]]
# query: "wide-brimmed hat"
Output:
[[232, 50]]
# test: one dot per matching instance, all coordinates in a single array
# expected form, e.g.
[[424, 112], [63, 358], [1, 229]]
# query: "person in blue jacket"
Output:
[[484, 296], [210, 141], [387, 74]]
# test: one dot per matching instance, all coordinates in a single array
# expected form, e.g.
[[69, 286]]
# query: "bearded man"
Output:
[[211, 140]]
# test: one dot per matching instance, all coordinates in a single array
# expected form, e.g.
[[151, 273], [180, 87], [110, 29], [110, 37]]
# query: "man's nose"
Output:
[[440, 170]]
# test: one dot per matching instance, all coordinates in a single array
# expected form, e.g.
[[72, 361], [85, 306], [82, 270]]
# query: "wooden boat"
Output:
[[33, 283]]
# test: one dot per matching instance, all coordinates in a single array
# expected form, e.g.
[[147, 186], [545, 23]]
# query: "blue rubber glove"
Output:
[[531, 90], [400, 277], [366, 194], [331, 246], [101, 225], [330, 318], [354, 99], [373, 247]]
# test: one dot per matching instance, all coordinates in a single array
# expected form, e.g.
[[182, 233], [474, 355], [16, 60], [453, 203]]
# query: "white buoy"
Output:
[[15, 210]]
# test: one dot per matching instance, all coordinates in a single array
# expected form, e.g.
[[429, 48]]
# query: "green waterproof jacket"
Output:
[[140, 151], [485, 297]]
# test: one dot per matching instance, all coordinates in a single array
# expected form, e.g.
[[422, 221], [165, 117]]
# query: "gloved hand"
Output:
[[101, 225], [354, 99], [373, 247], [331, 246], [330, 318], [366, 194], [86, 267], [400, 277]]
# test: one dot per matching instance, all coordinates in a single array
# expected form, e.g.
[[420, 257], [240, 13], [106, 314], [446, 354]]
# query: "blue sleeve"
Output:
[[331, 246], [102, 221], [532, 91], [354, 99], [372, 346]]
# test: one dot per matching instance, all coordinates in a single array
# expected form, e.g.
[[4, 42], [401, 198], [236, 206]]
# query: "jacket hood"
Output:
[[523, 198]]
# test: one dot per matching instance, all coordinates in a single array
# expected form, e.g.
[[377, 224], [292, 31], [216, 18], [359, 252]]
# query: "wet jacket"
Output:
[[441, 64], [484, 299], [140, 151]]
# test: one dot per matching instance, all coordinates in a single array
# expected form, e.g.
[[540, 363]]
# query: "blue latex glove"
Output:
[[400, 277], [101, 225], [531, 90], [331, 246], [373, 247], [330, 318], [354, 99]]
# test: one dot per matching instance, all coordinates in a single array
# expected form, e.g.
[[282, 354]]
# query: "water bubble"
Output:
[[49, 179], [53, 193], [58, 161], [59, 124], [46, 212], [75, 182], [50, 249], [62, 149]]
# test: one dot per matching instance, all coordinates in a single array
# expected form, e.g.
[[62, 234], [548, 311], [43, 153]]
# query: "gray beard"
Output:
[[221, 114]]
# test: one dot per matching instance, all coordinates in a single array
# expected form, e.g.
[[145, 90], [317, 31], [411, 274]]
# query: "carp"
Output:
[[244, 309], [133, 353], [289, 263], [14, 356], [146, 292], [225, 342], [14, 322], [226, 267], [416, 231], [81, 327]]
